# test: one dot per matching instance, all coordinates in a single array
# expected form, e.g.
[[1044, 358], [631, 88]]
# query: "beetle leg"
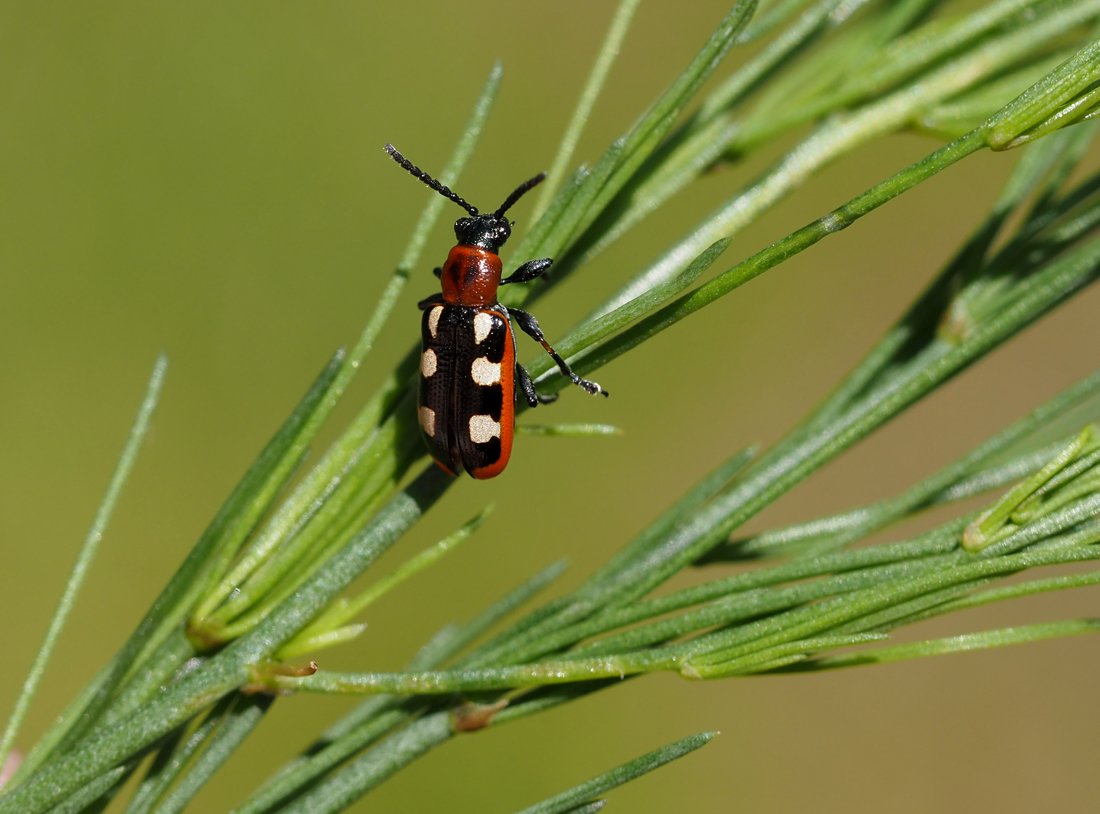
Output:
[[531, 327], [438, 272], [533, 396], [428, 302], [528, 271]]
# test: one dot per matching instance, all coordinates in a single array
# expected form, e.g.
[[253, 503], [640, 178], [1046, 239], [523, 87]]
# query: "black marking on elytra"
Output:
[[485, 400], [492, 346], [436, 392], [487, 453]]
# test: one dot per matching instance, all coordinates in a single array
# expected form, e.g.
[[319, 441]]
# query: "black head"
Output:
[[489, 231]]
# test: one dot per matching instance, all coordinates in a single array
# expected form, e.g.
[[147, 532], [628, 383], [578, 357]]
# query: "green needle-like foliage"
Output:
[[265, 586], [580, 797]]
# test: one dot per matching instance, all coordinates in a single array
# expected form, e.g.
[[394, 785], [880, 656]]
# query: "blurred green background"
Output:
[[207, 179]]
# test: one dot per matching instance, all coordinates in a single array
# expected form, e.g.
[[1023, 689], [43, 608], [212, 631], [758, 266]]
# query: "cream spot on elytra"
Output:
[[483, 429], [483, 324], [433, 320], [429, 362], [427, 421], [485, 372]]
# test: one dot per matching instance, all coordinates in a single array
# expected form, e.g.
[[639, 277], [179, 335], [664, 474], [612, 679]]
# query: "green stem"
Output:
[[107, 746], [172, 758], [609, 51], [757, 264], [368, 770], [965, 643], [979, 533], [379, 716], [87, 553], [239, 721], [579, 795]]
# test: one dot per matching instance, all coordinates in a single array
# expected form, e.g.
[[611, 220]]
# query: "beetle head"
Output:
[[489, 231]]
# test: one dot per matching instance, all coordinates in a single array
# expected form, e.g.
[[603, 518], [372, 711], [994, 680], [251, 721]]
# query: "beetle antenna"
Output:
[[519, 192], [438, 186]]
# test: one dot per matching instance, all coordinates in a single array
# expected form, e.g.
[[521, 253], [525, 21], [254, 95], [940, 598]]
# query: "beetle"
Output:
[[468, 368]]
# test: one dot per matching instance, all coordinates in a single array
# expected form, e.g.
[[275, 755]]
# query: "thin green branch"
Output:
[[512, 643], [365, 772], [705, 139], [854, 605], [87, 553], [982, 530], [746, 270], [846, 130], [574, 209], [1064, 96], [341, 612], [719, 654], [964, 643], [584, 793], [609, 51], [964, 478], [91, 796], [377, 717], [173, 756], [239, 721], [105, 747], [725, 652], [569, 430], [249, 499]]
